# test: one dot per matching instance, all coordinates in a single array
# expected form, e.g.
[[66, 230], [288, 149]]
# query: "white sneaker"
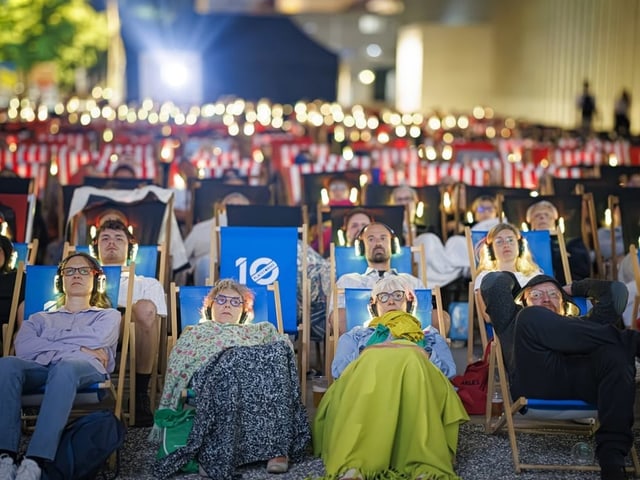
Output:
[[28, 470], [8, 468]]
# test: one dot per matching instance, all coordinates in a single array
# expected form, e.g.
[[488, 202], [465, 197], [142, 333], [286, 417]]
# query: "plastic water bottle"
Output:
[[582, 453]]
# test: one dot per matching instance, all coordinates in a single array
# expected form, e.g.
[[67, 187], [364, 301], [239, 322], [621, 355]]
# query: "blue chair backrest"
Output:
[[113, 273], [191, 299], [348, 262], [44, 295], [146, 259], [539, 242], [258, 256], [40, 292], [22, 252], [357, 301]]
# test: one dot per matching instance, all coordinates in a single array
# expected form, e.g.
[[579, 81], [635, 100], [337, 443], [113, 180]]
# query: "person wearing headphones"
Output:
[[543, 215], [553, 352], [408, 414], [226, 325], [7, 282], [66, 349], [114, 245], [376, 242], [505, 250]]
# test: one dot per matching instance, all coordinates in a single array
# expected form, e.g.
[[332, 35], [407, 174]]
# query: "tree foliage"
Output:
[[69, 33]]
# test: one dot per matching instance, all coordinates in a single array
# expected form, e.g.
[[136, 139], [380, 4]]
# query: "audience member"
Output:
[[388, 368], [248, 402], [485, 213], [354, 221], [543, 215], [114, 245], [339, 191], [504, 250], [551, 353], [407, 196], [7, 283], [66, 349], [198, 242], [376, 242]]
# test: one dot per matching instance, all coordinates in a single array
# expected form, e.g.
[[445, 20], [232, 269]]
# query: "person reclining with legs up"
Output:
[[552, 353]]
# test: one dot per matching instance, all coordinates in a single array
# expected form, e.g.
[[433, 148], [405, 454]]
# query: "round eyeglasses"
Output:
[[222, 300], [538, 294], [505, 241], [69, 271], [384, 297]]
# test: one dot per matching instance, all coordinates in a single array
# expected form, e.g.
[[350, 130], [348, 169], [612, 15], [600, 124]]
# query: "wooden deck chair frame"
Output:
[[474, 301], [633, 251], [304, 328], [127, 350], [630, 229], [539, 426], [587, 215]]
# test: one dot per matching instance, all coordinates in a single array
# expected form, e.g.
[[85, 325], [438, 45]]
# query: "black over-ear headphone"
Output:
[[209, 315], [99, 278], [492, 254], [412, 305], [358, 243]]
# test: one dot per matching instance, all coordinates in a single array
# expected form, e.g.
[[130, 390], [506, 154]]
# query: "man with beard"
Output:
[[376, 242]]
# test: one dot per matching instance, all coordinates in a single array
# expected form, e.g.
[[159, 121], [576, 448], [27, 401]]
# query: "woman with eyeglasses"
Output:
[[392, 412], [248, 402], [504, 250], [65, 349]]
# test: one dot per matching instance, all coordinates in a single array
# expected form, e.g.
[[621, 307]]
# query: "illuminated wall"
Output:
[[529, 59]]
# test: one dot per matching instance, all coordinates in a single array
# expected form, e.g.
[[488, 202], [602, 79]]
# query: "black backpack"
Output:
[[85, 445]]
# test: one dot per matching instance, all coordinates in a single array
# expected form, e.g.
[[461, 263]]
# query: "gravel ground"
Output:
[[480, 457]]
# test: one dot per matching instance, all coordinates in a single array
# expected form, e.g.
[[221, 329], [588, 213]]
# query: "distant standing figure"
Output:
[[622, 124], [587, 106]]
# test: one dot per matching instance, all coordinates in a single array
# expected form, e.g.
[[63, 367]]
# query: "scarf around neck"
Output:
[[401, 325]]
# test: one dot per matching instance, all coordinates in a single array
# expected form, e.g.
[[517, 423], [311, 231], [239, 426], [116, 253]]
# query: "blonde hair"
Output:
[[245, 293], [541, 205], [524, 261]]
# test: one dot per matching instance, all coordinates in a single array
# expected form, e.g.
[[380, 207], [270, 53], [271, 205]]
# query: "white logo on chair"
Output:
[[263, 270]]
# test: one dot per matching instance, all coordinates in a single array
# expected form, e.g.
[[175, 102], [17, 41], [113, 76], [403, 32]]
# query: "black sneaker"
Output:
[[613, 473], [144, 415]]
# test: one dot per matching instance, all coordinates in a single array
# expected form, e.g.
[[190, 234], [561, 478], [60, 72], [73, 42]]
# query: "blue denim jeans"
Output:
[[61, 379]]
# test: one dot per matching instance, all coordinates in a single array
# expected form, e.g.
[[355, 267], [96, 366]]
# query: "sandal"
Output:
[[278, 465]]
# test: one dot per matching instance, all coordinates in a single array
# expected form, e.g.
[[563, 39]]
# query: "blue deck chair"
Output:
[[26, 252], [186, 305], [186, 310], [357, 299], [541, 415], [258, 256], [346, 261], [43, 297]]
